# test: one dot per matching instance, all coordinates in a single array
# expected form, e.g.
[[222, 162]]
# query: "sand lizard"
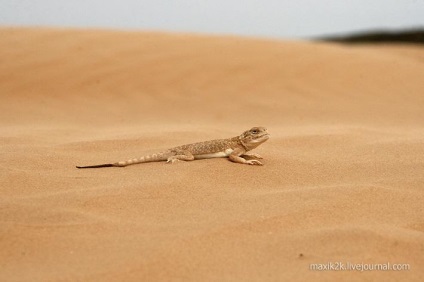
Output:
[[235, 149]]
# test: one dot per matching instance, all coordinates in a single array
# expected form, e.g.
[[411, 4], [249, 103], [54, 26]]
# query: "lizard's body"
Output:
[[233, 148]]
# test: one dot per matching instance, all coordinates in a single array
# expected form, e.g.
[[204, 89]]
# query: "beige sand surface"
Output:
[[342, 182]]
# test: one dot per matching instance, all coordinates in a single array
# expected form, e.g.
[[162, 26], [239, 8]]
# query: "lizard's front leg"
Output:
[[181, 156], [235, 156]]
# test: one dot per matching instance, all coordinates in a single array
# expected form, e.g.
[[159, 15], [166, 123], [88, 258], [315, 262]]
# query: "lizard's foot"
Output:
[[181, 156], [254, 155], [253, 162], [172, 160]]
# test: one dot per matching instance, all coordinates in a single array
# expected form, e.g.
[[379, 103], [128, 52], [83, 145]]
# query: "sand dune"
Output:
[[342, 181]]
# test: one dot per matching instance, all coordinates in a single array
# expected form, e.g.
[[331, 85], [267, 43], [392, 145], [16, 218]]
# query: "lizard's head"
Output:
[[254, 137]]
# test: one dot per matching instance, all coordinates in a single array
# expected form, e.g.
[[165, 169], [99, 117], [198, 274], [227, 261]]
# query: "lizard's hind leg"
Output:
[[181, 156]]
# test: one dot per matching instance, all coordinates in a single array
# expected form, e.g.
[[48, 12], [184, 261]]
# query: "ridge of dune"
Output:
[[342, 180], [305, 80]]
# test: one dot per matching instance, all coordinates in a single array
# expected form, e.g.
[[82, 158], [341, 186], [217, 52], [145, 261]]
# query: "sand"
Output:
[[342, 179]]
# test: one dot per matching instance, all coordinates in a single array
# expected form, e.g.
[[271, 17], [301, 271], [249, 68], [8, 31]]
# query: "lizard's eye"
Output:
[[255, 131]]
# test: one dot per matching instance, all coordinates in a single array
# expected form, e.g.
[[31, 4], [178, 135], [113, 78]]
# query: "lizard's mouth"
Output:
[[261, 138]]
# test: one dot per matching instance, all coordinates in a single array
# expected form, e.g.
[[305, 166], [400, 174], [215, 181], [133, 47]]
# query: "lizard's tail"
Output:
[[150, 158], [96, 166]]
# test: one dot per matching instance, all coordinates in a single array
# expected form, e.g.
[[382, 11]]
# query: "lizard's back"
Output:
[[208, 147]]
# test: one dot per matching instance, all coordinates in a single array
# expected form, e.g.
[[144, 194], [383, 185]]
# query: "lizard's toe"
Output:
[[252, 156], [257, 156], [254, 162]]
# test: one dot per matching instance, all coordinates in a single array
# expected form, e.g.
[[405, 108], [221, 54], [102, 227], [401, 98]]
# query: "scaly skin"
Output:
[[235, 149]]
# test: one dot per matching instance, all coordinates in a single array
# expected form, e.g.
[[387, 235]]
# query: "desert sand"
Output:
[[342, 179]]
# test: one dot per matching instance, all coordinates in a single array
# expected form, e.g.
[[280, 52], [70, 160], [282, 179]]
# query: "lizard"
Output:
[[234, 148]]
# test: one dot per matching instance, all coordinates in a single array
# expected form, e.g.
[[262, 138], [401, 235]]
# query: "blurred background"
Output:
[[300, 19]]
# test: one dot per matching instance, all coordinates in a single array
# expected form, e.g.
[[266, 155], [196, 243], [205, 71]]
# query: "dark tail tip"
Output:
[[96, 166]]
